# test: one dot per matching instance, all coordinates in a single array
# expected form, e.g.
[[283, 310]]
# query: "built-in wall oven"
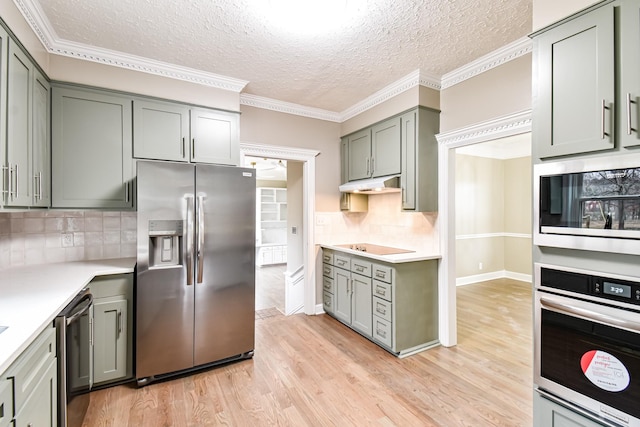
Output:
[[587, 342], [74, 327], [590, 204]]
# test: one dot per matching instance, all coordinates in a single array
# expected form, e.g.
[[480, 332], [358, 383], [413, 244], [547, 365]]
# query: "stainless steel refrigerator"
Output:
[[195, 289]]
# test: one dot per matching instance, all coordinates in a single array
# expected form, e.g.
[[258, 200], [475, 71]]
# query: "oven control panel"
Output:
[[615, 289]]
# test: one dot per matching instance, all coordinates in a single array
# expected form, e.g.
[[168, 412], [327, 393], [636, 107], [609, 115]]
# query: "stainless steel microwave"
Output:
[[589, 204]]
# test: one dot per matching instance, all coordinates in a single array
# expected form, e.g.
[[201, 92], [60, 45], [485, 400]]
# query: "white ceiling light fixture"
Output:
[[308, 17]]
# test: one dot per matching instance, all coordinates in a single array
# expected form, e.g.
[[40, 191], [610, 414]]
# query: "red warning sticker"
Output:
[[605, 370]]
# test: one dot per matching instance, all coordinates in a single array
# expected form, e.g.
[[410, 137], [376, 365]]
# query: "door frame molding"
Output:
[[513, 124], [308, 157]]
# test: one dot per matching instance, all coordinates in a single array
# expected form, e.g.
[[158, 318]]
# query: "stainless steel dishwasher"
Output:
[[74, 327]]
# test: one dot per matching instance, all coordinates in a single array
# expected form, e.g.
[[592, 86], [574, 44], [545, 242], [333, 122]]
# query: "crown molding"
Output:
[[288, 107], [494, 59], [277, 152], [502, 127], [41, 26], [57, 46], [407, 82]]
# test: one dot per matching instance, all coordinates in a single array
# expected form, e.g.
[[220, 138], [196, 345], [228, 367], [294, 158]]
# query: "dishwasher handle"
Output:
[[87, 300]]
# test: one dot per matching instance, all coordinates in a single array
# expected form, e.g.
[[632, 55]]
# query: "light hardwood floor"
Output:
[[313, 371], [270, 287]]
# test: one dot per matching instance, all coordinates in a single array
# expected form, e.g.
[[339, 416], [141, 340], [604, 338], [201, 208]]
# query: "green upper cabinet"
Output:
[[629, 72], [28, 138], [385, 148], [19, 119], [214, 137], [91, 149], [160, 131], [173, 131], [419, 160], [41, 141], [374, 151], [4, 49], [359, 155], [574, 85]]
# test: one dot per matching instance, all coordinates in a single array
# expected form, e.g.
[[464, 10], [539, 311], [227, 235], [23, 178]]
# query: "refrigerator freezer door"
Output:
[[164, 299], [225, 255]]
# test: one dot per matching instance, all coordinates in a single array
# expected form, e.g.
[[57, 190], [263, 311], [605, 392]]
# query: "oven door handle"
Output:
[[78, 314], [576, 310]]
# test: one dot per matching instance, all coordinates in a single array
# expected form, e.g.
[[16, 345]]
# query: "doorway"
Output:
[[514, 124], [299, 286]]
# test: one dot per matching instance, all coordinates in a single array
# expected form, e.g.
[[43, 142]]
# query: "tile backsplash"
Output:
[[384, 223], [40, 237]]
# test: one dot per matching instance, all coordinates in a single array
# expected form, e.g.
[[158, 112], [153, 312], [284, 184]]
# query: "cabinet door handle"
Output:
[[119, 322], [629, 102], [17, 182], [373, 168], [367, 160], [40, 185], [193, 148], [184, 151], [602, 123], [5, 180], [126, 192]]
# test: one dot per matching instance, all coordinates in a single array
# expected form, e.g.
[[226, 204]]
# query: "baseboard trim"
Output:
[[319, 309], [502, 274]]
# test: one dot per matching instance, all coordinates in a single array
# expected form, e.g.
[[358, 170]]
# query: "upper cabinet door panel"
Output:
[[629, 94], [160, 131], [574, 110], [214, 137], [385, 147], [359, 151], [41, 141], [91, 149], [19, 130]]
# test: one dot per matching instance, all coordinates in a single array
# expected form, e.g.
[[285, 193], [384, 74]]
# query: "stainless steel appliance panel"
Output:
[[587, 341], [164, 298], [74, 328], [225, 262]]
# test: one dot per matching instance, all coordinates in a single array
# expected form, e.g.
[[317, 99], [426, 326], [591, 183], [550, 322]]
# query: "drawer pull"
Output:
[[359, 267], [327, 270], [341, 262], [380, 310], [382, 333], [380, 291]]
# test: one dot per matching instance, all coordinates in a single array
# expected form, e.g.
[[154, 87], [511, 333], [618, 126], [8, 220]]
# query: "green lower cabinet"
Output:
[[547, 413], [40, 408], [31, 397], [110, 341], [112, 329]]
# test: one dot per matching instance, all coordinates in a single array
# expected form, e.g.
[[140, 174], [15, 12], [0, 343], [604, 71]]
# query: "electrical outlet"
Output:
[[479, 266], [294, 230], [67, 240]]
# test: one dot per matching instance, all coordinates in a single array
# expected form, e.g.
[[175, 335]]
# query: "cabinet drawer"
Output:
[[361, 267], [382, 331], [31, 366], [327, 302], [382, 308], [327, 271], [342, 261], [327, 257], [383, 273], [6, 403], [328, 285], [382, 290]]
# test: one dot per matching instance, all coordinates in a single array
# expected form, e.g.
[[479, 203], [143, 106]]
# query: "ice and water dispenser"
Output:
[[165, 242]]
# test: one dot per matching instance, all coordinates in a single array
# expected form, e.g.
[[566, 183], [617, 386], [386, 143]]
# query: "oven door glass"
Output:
[[599, 361]]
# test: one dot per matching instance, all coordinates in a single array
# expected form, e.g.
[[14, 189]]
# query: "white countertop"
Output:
[[32, 296], [394, 259]]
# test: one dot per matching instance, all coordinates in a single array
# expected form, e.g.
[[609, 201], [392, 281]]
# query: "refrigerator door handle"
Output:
[[200, 251], [190, 244]]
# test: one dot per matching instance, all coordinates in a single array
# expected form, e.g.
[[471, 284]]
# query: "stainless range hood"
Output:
[[383, 184]]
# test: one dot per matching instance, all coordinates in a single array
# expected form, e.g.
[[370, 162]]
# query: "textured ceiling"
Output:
[[383, 41]]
